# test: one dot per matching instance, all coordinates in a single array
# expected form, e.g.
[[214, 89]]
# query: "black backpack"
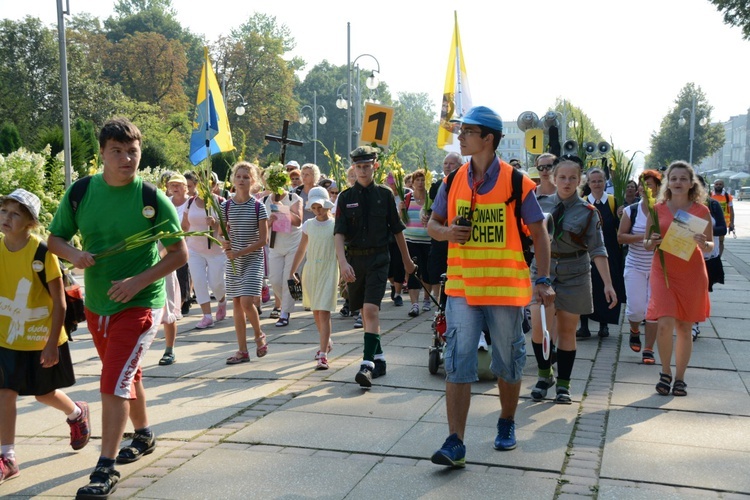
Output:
[[74, 312]]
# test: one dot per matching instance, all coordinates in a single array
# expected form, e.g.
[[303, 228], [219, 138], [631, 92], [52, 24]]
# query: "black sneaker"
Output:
[[583, 333], [364, 375], [398, 301], [604, 331], [379, 370], [185, 310], [102, 483]]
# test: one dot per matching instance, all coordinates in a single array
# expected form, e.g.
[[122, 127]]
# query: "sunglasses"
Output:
[[333, 192], [542, 168]]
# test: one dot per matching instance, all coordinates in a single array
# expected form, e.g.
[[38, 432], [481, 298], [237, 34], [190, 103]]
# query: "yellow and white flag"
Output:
[[456, 96]]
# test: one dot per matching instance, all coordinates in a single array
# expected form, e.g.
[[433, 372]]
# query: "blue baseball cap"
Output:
[[481, 115]]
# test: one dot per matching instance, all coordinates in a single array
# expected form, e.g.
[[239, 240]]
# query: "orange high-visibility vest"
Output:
[[489, 269]]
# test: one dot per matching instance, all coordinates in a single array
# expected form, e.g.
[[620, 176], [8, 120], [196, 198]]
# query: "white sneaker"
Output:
[[696, 331], [483, 343]]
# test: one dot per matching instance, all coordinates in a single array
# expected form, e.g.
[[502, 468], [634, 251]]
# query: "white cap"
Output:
[[28, 200], [320, 196], [292, 163]]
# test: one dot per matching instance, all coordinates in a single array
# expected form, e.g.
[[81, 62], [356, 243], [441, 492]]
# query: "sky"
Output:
[[622, 62]]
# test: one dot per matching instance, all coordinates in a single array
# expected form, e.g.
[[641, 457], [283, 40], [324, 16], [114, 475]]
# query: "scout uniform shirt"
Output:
[[577, 229], [367, 216]]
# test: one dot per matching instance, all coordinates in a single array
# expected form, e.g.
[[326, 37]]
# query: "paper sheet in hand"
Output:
[[679, 238]]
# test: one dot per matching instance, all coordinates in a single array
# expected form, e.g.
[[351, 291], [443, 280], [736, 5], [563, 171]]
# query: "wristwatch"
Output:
[[544, 280]]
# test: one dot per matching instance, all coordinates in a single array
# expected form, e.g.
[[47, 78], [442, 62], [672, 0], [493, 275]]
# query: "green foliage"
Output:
[[736, 13], [621, 171], [27, 170], [81, 149], [672, 141], [415, 127], [10, 139]]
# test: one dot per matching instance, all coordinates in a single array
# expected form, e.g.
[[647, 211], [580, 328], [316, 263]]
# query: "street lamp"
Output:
[[703, 121], [315, 120], [240, 109], [371, 83]]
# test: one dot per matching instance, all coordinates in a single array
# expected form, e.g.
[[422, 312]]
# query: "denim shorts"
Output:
[[464, 325]]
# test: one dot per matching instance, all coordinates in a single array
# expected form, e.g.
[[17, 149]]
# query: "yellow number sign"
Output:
[[535, 141], [376, 124]]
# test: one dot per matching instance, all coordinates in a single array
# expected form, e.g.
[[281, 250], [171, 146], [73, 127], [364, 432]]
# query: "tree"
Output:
[[29, 78], [672, 141], [324, 79], [415, 128], [151, 68], [251, 61], [10, 139], [736, 13]]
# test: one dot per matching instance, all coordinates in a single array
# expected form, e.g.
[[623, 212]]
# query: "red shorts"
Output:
[[122, 341]]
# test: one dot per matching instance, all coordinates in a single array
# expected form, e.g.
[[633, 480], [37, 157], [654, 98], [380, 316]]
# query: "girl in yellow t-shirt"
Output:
[[34, 354]]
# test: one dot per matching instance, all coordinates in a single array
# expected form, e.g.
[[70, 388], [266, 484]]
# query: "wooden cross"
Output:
[[284, 140]]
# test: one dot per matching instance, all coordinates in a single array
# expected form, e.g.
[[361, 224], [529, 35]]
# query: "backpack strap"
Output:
[[190, 202], [633, 214], [148, 193], [407, 199], [41, 254], [79, 188], [449, 181], [77, 192]]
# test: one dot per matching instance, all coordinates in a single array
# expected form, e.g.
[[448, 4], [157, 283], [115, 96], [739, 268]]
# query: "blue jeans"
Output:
[[464, 325]]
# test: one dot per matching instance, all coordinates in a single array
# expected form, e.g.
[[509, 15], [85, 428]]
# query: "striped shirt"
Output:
[[638, 257]]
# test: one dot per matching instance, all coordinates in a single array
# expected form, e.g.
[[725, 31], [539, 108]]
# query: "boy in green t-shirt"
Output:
[[124, 292], [34, 354]]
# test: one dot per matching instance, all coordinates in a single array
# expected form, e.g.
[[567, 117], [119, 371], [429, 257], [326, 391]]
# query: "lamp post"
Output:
[[682, 122], [240, 109], [371, 83], [322, 120]]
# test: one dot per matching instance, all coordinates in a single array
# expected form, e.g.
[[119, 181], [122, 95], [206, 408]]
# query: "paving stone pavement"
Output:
[[277, 428]]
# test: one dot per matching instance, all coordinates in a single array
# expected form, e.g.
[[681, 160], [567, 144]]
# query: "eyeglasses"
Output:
[[467, 132], [542, 168], [333, 192]]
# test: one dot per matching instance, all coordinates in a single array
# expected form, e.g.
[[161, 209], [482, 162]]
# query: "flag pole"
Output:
[[459, 104], [208, 115]]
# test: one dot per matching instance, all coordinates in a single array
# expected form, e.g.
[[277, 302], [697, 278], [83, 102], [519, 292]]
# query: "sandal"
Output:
[[679, 388], [167, 359], [263, 349], [275, 313], [140, 446], [664, 384], [648, 357], [635, 341], [238, 357], [282, 322]]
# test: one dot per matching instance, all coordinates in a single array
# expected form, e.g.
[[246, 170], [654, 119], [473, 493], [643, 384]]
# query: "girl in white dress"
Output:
[[320, 275]]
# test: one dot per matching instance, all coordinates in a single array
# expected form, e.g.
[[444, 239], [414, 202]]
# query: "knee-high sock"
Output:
[[372, 343], [543, 364], [565, 361]]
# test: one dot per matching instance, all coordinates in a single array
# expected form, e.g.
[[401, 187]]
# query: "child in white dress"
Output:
[[320, 275]]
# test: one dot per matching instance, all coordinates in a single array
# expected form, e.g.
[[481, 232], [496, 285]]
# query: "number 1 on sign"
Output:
[[535, 141], [380, 117]]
